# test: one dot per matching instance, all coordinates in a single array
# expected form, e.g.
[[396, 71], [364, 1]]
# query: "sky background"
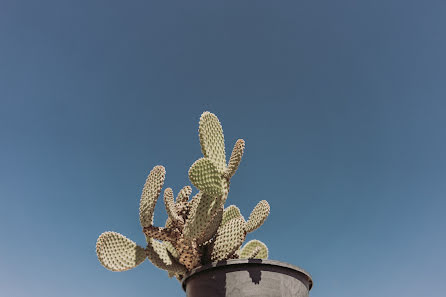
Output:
[[341, 103]]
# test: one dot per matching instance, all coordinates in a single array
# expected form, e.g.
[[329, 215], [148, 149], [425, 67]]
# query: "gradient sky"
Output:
[[341, 103]]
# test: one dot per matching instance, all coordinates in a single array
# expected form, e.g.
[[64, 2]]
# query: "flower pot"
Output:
[[243, 278]]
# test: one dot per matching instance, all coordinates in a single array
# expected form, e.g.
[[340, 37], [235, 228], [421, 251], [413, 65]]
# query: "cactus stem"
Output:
[[164, 234]]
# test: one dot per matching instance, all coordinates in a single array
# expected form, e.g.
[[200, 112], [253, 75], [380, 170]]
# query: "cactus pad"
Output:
[[230, 237], [118, 253], [203, 210], [254, 249], [212, 140], [236, 157], [183, 195], [212, 227], [230, 213], [150, 194], [169, 223], [205, 176], [170, 207], [164, 234], [258, 216], [158, 254], [189, 254], [171, 249]]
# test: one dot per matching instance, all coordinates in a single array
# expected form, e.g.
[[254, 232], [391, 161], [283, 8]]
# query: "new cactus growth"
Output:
[[199, 230]]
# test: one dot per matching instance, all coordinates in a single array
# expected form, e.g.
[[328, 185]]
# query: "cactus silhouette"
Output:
[[197, 231]]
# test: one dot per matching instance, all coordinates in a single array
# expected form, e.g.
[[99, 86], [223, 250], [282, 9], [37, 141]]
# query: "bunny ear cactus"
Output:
[[199, 230], [118, 253], [254, 249]]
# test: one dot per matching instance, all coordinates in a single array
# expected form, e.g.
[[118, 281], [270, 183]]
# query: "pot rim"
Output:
[[235, 262]]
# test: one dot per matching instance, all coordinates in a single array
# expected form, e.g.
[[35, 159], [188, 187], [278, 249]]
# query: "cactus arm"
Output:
[[171, 249], [204, 207], [158, 254], [169, 223], [183, 195], [212, 140], [212, 227], [203, 210], [236, 157], [164, 234], [254, 253], [230, 213], [258, 216], [254, 249], [229, 238], [170, 207], [118, 253], [189, 253], [194, 226], [150, 194], [182, 204], [205, 176]]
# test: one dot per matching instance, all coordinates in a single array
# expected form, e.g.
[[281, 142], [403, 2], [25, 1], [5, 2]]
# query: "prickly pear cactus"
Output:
[[118, 253], [254, 249], [199, 230]]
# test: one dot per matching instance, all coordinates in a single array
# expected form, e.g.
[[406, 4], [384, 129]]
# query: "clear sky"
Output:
[[341, 103]]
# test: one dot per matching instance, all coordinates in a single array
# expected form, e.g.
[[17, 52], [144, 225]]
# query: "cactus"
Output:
[[118, 253], [230, 212], [258, 216], [230, 237], [171, 209], [254, 249], [196, 231]]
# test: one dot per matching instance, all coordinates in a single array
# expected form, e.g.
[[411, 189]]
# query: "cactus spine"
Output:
[[199, 230]]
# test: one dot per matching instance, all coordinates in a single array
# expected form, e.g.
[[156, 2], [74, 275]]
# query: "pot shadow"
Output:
[[216, 284], [255, 272]]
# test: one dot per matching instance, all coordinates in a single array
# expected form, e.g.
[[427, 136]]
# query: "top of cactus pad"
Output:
[[198, 230]]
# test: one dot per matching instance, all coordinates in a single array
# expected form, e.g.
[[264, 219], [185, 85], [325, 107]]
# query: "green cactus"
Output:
[[230, 237], [171, 249], [230, 213], [207, 174], [212, 140], [236, 157], [211, 230], [204, 175], [227, 242], [159, 255], [118, 253], [254, 249], [258, 216], [196, 231], [150, 193], [171, 210]]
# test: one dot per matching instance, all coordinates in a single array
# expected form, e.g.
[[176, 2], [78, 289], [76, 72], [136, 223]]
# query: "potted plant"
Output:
[[201, 242]]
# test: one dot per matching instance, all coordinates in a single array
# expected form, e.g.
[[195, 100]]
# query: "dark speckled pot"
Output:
[[243, 278]]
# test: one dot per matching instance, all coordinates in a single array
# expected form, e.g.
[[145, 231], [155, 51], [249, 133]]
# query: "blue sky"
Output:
[[341, 104]]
